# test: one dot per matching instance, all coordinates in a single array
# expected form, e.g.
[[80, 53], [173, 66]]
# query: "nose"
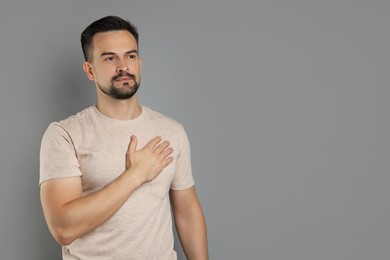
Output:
[[121, 66]]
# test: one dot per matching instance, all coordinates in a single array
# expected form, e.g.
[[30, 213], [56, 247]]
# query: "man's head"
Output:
[[105, 24], [110, 47]]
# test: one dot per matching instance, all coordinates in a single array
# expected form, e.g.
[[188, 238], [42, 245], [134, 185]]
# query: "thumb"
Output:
[[133, 144]]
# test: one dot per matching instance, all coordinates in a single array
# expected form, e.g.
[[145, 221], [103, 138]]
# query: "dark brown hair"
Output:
[[105, 24]]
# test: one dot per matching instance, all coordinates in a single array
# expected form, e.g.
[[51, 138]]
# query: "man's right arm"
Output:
[[69, 215]]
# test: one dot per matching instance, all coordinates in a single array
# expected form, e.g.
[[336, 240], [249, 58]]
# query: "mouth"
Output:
[[123, 79]]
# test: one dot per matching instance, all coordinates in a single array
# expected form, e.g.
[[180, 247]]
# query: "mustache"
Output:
[[123, 74]]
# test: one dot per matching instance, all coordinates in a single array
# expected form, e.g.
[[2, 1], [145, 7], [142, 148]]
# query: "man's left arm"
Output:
[[190, 223]]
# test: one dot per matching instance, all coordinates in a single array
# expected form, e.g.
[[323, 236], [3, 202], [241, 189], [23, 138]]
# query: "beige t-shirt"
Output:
[[94, 147]]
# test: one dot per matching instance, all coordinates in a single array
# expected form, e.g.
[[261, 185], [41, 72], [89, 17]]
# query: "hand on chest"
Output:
[[104, 160]]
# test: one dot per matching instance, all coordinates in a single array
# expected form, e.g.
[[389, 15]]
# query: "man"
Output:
[[110, 173]]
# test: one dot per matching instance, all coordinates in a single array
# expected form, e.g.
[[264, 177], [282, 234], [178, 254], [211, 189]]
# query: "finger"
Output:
[[166, 152], [161, 147], [152, 143], [168, 161], [133, 144]]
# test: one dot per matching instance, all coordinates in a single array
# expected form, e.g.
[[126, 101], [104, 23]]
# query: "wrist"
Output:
[[134, 178]]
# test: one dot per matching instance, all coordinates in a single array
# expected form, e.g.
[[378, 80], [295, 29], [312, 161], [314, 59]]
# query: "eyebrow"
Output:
[[113, 53]]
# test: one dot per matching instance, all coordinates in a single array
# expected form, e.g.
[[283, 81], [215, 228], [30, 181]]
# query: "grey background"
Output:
[[285, 104]]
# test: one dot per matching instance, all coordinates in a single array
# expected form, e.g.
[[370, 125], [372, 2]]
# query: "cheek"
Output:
[[137, 69], [105, 73]]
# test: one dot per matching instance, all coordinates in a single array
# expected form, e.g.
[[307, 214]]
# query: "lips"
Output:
[[123, 79]]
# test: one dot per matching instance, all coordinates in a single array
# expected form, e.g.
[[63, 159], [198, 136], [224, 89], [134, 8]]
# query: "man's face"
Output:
[[115, 65]]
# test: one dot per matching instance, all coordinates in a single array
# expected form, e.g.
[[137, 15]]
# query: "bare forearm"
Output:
[[82, 215], [191, 228]]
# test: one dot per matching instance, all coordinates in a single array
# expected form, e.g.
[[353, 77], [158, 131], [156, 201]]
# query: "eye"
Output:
[[132, 56], [110, 58]]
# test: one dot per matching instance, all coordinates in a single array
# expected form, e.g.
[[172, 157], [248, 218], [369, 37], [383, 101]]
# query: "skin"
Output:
[[68, 214]]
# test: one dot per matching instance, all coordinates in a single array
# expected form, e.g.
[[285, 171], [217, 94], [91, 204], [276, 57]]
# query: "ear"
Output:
[[88, 70]]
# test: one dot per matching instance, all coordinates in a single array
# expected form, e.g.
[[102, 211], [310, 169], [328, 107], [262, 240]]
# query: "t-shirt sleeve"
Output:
[[57, 156], [183, 178]]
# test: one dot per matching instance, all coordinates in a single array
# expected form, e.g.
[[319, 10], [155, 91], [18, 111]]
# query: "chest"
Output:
[[102, 158]]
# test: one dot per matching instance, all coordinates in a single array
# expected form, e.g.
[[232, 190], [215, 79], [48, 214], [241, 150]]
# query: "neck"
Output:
[[119, 109]]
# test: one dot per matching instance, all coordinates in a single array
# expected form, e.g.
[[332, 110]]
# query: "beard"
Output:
[[126, 91]]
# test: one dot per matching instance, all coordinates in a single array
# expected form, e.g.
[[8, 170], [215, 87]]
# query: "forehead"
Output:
[[114, 41]]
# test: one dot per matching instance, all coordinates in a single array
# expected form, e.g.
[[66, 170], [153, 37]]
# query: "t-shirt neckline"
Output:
[[118, 121]]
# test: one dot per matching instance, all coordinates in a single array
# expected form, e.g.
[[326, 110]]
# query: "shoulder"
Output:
[[67, 126], [82, 117], [161, 119], [166, 126]]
